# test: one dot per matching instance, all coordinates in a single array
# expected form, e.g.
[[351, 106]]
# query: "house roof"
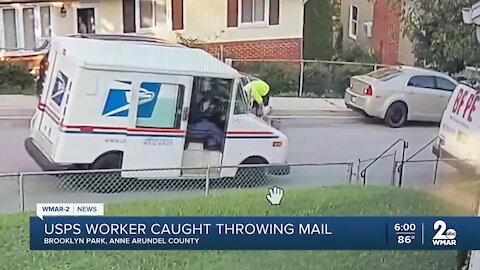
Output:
[[142, 57], [127, 37]]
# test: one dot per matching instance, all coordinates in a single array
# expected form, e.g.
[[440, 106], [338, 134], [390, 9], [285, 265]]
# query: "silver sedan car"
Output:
[[400, 94]]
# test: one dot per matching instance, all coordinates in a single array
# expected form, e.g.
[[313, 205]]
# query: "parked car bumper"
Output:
[[367, 106]]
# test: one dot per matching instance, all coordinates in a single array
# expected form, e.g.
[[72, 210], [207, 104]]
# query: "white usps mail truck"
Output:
[[459, 135], [141, 106]]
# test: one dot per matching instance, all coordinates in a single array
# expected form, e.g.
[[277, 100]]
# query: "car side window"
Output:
[[422, 82], [444, 84]]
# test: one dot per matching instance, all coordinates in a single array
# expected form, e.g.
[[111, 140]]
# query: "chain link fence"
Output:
[[304, 78], [23, 191]]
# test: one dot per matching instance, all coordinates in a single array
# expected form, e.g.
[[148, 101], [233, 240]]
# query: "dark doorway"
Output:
[[86, 20]]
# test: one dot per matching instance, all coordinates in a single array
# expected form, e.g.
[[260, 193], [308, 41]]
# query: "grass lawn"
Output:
[[468, 187], [336, 201]]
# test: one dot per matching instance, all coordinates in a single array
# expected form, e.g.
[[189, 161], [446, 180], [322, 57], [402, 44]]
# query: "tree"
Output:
[[440, 38], [318, 32]]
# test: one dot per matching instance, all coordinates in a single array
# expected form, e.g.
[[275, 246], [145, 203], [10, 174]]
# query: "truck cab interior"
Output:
[[209, 108], [207, 124]]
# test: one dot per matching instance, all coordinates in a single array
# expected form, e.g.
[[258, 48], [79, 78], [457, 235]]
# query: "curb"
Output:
[[6, 118], [9, 122], [16, 112], [313, 113]]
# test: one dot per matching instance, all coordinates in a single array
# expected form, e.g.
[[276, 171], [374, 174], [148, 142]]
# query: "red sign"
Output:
[[466, 103]]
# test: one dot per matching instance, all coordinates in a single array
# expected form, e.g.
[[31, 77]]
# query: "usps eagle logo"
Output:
[[119, 99], [59, 88]]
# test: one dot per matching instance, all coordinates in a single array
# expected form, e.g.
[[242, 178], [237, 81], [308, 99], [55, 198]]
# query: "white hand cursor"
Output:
[[275, 195]]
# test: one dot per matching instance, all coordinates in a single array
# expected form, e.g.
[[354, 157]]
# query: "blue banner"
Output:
[[254, 233]]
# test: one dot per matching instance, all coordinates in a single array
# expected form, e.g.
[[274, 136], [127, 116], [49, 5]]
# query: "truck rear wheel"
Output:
[[109, 161], [106, 182], [252, 176]]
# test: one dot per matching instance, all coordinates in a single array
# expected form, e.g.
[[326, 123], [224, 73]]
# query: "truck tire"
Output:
[[396, 115], [252, 176], [107, 182], [110, 161]]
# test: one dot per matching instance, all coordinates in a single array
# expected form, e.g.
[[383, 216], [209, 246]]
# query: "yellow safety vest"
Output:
[[257, 90]]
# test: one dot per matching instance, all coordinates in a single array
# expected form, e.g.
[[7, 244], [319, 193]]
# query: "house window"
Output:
[[253, 11], [24, 27], [146, 13], [150, 14], [10, 40], [29, 28], [45, 20], [353, 23]]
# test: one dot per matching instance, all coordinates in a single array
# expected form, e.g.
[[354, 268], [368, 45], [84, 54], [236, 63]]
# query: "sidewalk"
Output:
[[291, 106], [23, 107], [17, 106]]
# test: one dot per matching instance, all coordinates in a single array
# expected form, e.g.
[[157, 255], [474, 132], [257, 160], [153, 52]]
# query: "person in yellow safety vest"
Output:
[[258, 93]]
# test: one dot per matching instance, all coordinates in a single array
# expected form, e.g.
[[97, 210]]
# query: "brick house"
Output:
[[377, 26], [267, 29]]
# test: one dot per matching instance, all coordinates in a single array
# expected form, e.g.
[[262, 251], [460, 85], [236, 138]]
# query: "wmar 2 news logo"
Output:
[[443, 236]]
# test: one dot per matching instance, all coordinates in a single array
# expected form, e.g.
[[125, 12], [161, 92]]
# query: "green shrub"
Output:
[[320, 79], [282, 77], [330, 80], [355, 53], [318, 30], [15, 78]]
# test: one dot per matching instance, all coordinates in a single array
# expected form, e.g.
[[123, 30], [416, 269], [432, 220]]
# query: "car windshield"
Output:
[[384, 73]]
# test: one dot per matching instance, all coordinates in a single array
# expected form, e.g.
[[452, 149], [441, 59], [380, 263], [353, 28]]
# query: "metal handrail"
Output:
[[370, 159], [421, 149], [363, 173], [439, 159]]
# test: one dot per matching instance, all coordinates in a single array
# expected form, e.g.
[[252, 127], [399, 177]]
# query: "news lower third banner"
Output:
[[254, 233]]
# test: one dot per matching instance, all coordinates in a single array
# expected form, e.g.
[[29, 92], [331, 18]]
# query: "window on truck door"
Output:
[[160, 105], [241, 104]]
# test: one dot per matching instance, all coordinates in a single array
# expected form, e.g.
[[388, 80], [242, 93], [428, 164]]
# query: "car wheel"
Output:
[[396, 115]]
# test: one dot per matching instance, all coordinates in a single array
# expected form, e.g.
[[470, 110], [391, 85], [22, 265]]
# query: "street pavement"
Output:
[[325, 140]]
